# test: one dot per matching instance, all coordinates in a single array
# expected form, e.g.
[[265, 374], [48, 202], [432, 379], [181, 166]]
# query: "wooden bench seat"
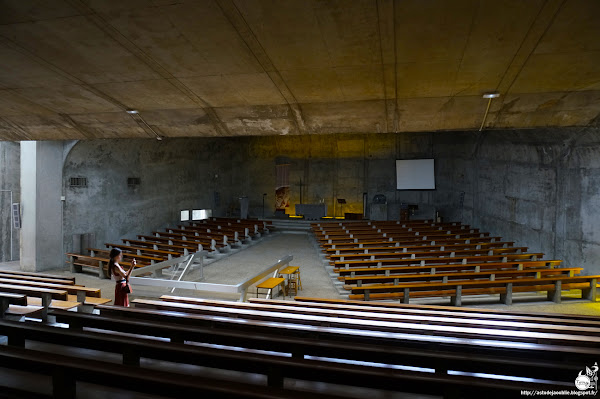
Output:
[[424, 247], [89, 300], [392, 231], [191, 246], [47, 295], [382, 236], [223, 335], [138, 251], [363, 313], [127, 256], [208, 242], [78, 262], [435, 260], [225, 228], [276, 368], [65, 371], [505, 287], [474, 267], [55, 303], [421, 254], [180, 249], [71, 289], [57, 280], [414, 241], [205, 234], [36, 312], [190, 327], [7, 299], [208, 230], [401, 223], [370, 325], [37, 275], [394, 279], [481, 314]]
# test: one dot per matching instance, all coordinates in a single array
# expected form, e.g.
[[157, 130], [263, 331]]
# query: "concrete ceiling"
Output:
[[70, 68]]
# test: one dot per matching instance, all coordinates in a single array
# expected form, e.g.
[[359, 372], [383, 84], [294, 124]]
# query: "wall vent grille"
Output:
[[133, 181], [78, 182]]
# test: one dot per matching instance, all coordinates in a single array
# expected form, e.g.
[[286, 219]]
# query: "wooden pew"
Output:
[[260, 225], [414, 241], [392, 230], [218, 236], [423, 247], [66, 371], [218, 358], [207, 242], [236, 231], [481, 314], [78, 290], [37, 275], [127, 256], [439, 253], [182, 250], [432, 269], [504, 287], [47, 295], [393, 279], [401, 223], [381, 237], [435, 260], [7, 299], [269, 305], [191, 246], [57, 280], [398, 327], [78, 261], [288, 340], [139, 251]]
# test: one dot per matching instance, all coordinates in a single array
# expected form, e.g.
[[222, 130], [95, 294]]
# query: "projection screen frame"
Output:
[[431, 172]]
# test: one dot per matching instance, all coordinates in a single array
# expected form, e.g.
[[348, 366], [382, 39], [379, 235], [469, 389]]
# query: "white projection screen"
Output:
[[415, 174]]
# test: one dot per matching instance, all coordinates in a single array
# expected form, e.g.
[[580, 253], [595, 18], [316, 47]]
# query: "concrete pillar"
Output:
[[41, 207]]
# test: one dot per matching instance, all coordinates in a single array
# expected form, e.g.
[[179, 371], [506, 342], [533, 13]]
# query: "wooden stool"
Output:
[[293, 278]]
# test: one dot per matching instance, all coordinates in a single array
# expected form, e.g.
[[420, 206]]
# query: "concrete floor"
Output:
[[316, 281]]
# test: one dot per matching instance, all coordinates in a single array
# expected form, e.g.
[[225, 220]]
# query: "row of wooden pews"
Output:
[[214, 235], [310, 347], [400, 260], [24, 294]]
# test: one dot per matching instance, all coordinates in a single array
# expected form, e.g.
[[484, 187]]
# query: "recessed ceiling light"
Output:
[[132, 111], [494, 94]]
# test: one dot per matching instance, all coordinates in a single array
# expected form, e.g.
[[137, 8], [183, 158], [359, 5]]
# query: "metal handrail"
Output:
[[241, 288]]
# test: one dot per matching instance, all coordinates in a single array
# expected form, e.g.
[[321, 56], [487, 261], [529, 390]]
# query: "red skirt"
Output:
[[121, 297]]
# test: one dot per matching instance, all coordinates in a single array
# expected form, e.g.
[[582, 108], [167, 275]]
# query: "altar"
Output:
[[311, 211]]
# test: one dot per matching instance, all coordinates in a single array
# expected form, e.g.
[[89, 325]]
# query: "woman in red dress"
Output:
[[121, 277]]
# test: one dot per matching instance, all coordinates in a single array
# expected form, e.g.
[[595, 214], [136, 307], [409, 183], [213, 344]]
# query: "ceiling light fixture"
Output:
[[135, 115], [494, 94], [490, 96]]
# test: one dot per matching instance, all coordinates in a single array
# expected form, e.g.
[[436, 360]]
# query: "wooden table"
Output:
[[271, 283]]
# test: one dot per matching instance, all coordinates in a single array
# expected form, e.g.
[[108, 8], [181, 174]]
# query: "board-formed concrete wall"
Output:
[[536, 187], [174, 174], [10, 159]]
